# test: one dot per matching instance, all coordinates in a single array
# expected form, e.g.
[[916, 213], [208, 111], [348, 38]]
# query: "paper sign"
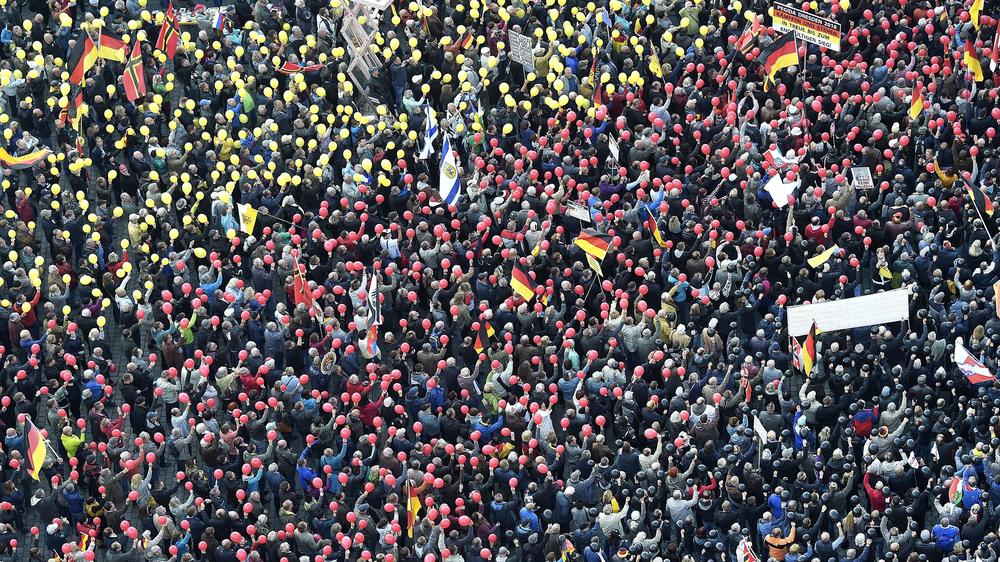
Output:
[[862, 178], [520, 49], [578, 211]]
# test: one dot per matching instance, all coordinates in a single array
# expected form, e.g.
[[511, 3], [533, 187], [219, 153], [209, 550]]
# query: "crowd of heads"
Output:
[[242, 318]]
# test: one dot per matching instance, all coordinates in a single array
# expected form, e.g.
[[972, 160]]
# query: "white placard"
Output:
[[578, 211], [862, 178], [520, 49], [844, 314]]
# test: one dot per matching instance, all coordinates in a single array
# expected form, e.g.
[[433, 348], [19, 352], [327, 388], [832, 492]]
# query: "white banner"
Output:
[[844, 314]]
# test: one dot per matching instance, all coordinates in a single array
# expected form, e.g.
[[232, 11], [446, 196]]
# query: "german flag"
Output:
[[70, 115], [111, 47], [808, 353], [650, 223], [134, 77], [972, 61], [594, 243], [483, 336], [522, 283], [81, 58], [983, 204], [22, 162], [413, 508], [466, 41], [170, 33], [777, 56], [36, 449], [917, 101]]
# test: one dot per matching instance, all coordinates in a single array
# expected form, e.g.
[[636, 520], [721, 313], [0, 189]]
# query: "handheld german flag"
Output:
[[466, 41], [22, 162], [170, 33], [983, 204], [111, 47], [779, 55], [36, 448], [413, 508], [809, 351], [917, 101], [483, 336], [134, 77], [972, 61], [81, 58], [650, 223], [522, 283], [594, 243]]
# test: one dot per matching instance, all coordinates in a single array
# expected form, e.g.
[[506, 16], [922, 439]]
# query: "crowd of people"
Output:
[[457, 303]]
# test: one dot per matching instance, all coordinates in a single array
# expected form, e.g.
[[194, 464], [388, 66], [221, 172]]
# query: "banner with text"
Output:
[[806, 26]]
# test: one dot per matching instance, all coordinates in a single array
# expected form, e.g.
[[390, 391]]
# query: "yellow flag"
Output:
[[248, 218], [654, 65], [975, 11], [820, 259]]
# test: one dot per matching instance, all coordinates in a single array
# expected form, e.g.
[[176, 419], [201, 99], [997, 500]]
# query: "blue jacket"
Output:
[[945, 537]]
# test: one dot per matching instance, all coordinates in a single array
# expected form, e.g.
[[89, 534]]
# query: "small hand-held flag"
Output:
[[982, 203], [219, 22], [248, 217], [972, 61], [917, 101], [37, 448], [413, 508], [430, 133], [804, 355], [450, 184], [522, 283], [973, 370]]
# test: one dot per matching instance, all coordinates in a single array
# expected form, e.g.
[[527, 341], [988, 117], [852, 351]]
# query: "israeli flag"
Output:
[[430, 133], [450, 184]]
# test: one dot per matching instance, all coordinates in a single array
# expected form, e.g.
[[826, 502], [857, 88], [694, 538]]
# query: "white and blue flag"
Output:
[[430, 133], [450, 184]]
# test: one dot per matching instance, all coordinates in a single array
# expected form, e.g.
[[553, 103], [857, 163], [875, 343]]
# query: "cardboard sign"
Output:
[[862, 178], [806, 26], [520, 49]]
